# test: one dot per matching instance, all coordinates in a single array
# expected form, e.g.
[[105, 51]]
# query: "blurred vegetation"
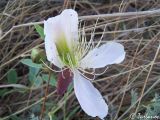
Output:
[[24, 77]]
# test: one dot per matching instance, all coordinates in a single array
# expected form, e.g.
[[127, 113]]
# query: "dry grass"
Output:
[[139, 33]]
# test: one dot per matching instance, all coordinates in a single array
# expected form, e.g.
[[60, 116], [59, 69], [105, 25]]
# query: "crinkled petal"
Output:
[[69, 22], [51, 34], [64, 24], [106, 54], [51, 52], [89, 97], [51, 27]]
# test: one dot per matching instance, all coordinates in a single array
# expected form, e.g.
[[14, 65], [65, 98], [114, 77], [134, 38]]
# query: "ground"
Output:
[[129, 88]]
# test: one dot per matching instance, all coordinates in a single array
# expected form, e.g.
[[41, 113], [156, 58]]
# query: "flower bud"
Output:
[[38, 55]]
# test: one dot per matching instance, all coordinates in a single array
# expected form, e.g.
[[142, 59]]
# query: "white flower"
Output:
[[64, 48]]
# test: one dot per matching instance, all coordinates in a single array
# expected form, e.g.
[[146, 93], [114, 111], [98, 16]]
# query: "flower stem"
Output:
[[45, 97]]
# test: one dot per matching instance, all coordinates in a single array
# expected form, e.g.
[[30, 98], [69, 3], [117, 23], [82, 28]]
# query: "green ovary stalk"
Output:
[[66, 54]]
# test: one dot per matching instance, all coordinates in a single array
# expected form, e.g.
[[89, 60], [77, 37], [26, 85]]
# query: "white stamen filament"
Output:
[[53, 69]]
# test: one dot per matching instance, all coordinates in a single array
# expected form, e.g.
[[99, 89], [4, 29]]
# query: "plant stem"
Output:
[[45, 97]]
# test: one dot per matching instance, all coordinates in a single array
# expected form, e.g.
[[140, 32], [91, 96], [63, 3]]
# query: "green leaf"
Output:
[[33, 73], [134, 97], [3, 92], [33, 76], [153, 109], [29, 63], [12, 76], [38, 81], [53, 82], [40, 30]]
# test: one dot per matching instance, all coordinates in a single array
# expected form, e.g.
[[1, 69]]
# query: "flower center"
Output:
[[71, 52], [66, 53]]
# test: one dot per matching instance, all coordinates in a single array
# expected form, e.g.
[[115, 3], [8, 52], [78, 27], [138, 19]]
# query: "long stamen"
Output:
[[87, 46], [51, 68], [84, 44], [101, 36], [93, 33], [88, 73], [101, 72], [86, 77], [93, 72]]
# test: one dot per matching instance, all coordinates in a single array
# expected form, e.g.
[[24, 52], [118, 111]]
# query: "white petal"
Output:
[[69, 21], [107, 54], [64, 24], [89, 97], [51, 34], [51, 52]]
